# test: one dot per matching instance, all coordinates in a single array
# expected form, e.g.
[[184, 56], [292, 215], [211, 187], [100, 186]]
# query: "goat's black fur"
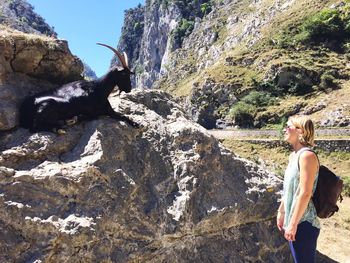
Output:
[[48, 110]]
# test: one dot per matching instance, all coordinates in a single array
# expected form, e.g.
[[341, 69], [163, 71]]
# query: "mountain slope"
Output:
[[20, 15], [240, 47]]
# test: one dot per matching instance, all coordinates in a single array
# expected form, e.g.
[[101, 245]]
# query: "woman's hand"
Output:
[[280, 220], [290, 232]]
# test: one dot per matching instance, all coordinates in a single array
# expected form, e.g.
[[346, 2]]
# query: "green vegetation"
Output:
[[138, 27], [262, 105], [346, 186], [328, 80], [139, 69], [183, 30], [190, 9], [243, 114], [244, 111], [24, 20], [259, 99], [329, 27], [294, 86], [206, 8]]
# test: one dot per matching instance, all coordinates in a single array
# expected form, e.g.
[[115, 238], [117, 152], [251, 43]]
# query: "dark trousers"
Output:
[[304, 247]]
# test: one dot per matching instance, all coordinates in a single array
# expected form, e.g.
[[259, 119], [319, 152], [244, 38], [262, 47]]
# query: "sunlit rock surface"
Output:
[[104, 191], [29, 64]]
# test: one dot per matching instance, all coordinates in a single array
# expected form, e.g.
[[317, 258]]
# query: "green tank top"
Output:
[[291, 189]]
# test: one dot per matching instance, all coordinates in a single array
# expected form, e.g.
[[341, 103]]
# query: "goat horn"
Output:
[[121, 58], [126, 59]]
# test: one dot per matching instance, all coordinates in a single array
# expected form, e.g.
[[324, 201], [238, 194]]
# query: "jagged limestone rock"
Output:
[[20, 15], [207, 100], [107, 192], [29, 64]]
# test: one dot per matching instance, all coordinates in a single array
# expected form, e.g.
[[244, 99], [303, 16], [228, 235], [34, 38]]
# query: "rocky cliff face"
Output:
[[146, 34], [20, 15], [158, 28], [29, 64], [157, 54], [228, 49], [104, 191]]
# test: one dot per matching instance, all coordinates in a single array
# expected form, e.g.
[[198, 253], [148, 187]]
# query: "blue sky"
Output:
[[84, 23]]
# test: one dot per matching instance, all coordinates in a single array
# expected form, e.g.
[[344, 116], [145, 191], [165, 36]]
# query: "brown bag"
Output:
[[327, 192]]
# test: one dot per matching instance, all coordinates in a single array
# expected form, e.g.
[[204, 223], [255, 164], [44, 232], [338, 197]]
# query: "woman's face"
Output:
[[291, 133]]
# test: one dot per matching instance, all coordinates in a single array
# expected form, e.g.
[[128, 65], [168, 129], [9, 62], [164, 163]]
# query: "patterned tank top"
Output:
[[291, 189]]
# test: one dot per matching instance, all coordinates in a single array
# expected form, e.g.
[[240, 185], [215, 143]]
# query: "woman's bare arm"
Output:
[[308, 167]]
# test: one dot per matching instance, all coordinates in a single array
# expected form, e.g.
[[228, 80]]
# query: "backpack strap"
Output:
[[304, 150]]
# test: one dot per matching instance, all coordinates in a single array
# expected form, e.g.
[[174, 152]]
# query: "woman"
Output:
[[297, 215]]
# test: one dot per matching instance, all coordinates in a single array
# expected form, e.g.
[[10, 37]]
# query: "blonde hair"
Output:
[[307, 127]]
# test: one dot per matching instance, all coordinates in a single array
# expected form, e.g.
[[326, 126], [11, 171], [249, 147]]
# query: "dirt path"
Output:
[[240, 133], [334, 239]]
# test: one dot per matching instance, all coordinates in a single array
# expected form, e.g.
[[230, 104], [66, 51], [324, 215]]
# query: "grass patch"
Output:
[[184, 87], [222, 73], [339, 162], [329, 27]]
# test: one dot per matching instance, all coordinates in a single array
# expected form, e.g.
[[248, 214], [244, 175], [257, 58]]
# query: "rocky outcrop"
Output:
[[207, 100], [337, 117], [20, 15], [104, 191], [29, 64], [292, 79], [131, 38], [147, 31]]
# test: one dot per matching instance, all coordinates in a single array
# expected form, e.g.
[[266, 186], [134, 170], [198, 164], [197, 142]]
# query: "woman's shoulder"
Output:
[[308, 156], [308, 153]]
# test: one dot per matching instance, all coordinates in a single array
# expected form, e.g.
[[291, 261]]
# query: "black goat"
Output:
[[86, 100]]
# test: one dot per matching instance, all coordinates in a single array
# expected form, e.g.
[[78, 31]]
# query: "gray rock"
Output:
[[104, 191], [336, 118], [206, 99], [29, 64], [315, 108]]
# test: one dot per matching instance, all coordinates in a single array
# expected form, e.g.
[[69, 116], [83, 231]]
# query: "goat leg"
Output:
[[118, 116]]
